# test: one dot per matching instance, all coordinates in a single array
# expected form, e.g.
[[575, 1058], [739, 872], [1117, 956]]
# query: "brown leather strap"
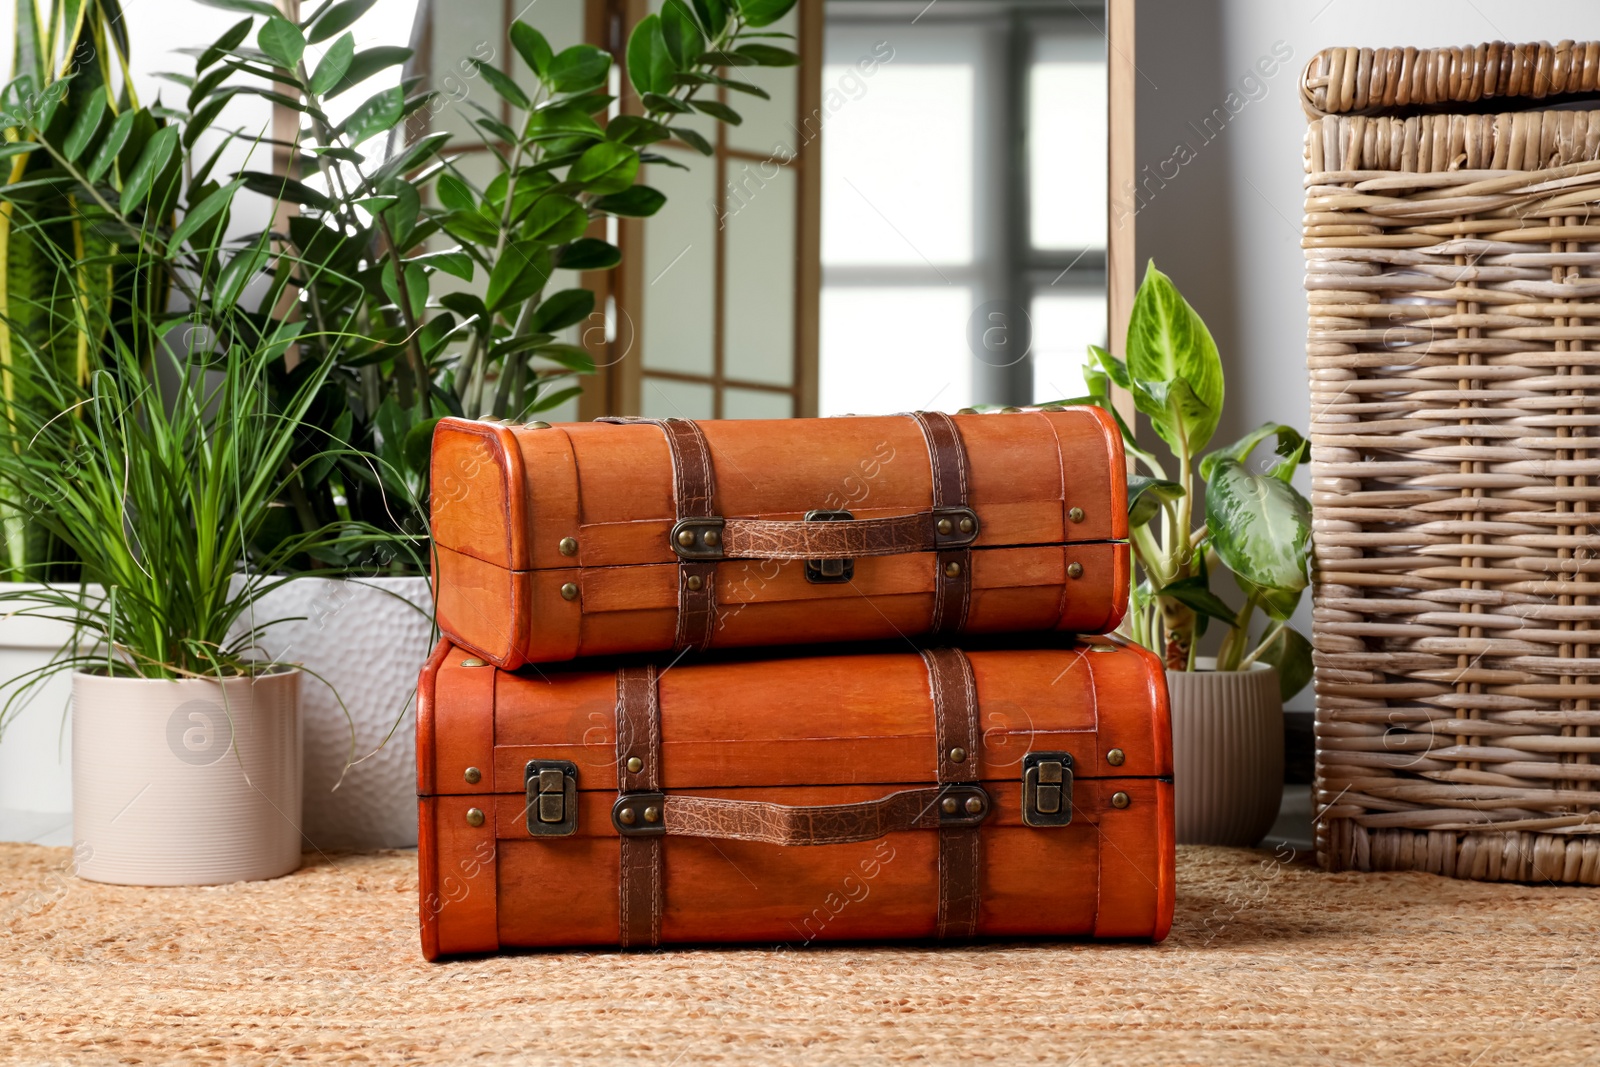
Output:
[[955, 718], [781, 824], [774, 539], [692, 491], [952, 581], [639, 738]]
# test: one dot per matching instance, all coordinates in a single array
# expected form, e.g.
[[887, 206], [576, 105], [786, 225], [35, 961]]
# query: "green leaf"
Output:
[[555, 220], [334, 64], [213, 205], [765, 55], [563, 120], [569, 356], [713, 15], [339, 17], [607, 167], [416, 287], [244, 265], [636, 130], [418, 449], [116, 137], [636, 201], [1173, 364], [694, 139], [657, 103], [282, 40], [286, 189], [1192, 592], [533, 48], [650, 66], [547, 401], [681, 34], [84, 126], [1290, 445], [1260, 528], [588, 253], [253, 7], [1290, 654], [516, 277], [1146, 495], [566, 308], [717, 111], [367, 63], [454, 194], [223, 45], [579, 68], [148, 167], [377, 115], [453, 261], [758, 13], [500, 83], [1116, 368]]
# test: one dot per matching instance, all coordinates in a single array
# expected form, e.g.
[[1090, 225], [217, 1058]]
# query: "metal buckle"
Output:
[[552, 787], [954, 527], [697, 538], [829, 571], [639, 814], [1047, 789], [963, 805]]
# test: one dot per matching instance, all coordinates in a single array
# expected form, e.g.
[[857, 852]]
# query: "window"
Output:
[[963, 202]]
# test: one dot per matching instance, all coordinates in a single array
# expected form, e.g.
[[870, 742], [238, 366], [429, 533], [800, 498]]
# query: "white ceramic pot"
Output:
[[366, 639], [189, 782], [1227, 753]]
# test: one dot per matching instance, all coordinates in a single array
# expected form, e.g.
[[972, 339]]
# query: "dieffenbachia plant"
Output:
[[1255, 522]]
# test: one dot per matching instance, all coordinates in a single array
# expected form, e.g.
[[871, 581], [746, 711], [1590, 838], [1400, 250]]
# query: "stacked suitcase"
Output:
[[613, 749]]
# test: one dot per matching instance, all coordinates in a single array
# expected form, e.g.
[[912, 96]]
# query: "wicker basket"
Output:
[[1453, 271]]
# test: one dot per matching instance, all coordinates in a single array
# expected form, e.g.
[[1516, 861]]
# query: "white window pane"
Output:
[[897, 172], [679, 264], [894, 349], [1064, 326], [759, 235], [665, 398], [1067, 143], [755, 404]]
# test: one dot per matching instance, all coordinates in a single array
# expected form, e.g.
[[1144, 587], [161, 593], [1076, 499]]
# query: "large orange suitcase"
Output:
[[812, 797], [581, 539]]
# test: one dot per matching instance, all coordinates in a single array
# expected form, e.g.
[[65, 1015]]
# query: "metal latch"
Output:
[[552, 786], [1047, 789], [829, 571]]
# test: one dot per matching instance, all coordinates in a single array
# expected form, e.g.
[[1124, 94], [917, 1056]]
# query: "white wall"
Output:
[[1227, 226]]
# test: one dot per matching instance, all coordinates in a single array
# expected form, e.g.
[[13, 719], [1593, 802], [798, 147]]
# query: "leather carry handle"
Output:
[[928, 808], [937, 529]]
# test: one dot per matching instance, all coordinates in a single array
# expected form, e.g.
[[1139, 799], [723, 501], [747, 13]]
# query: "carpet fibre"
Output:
[[1270, 961]]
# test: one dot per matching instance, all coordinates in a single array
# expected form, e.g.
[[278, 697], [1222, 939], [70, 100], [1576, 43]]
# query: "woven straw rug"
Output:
[[1268, 962]]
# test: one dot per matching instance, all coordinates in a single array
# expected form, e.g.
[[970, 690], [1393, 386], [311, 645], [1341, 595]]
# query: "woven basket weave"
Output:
[[1453, 271]]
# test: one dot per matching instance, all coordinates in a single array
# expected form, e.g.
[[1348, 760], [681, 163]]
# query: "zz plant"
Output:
[[1255, 523]]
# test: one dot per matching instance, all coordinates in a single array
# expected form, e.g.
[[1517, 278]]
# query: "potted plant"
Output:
[[380, 274], [1227, 710], [157, 461]]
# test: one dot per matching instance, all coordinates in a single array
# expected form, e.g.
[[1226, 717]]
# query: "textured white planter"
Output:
[[1227, 752], [190, 782], [367, 638]]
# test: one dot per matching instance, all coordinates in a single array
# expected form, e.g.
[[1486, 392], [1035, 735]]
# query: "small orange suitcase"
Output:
[[810, 797], [582, 539]]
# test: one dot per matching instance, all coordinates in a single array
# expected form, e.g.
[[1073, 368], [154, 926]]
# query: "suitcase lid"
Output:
[[536, 496], [837, 719]]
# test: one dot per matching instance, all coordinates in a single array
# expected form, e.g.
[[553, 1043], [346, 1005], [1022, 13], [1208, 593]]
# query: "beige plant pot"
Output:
[[190, 782], [1227, 753]]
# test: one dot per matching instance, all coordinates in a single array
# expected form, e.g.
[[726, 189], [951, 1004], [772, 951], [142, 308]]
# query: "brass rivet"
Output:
[[635, 764], [538, 425], [1009, 410], [568, 546], [958, 755], [974, 805], [966, 525], [569, 591], [473, 661], [1074, 570], [473, 776], [1076, 514], [694, 582], [685, 538], [1115, 757], [712, 538], [474, 816], [944, 526], [1052, 407], [949, 805], [966, 411], [952, 570], [1120, 800], [652, 814], [626, 817], [1102, 648]]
